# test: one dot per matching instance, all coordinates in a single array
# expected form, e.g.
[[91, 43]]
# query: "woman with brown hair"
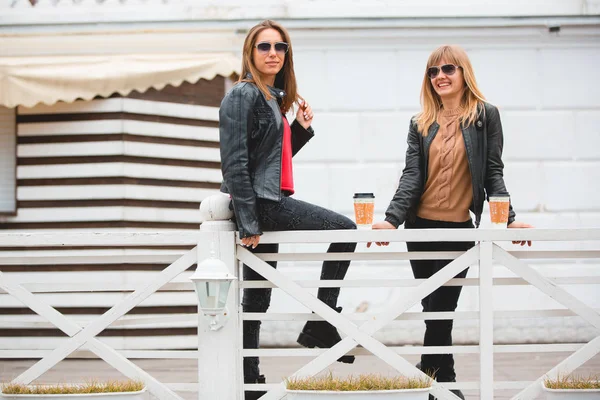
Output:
[[257, 145], [453, 161]]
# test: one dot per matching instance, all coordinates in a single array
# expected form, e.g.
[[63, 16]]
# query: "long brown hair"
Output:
[[431, 102], [285, 78]]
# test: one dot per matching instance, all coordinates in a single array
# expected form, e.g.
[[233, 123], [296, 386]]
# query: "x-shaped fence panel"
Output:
[[563, 297], [87, 336], [359, 335]]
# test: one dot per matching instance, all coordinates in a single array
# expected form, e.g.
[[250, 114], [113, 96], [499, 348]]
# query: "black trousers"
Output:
[[286, 215], [445, 298]]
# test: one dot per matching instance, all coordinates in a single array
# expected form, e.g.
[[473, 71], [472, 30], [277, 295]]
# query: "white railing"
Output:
[[224, 347]]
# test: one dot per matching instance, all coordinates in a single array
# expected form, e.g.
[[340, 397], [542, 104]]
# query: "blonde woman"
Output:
[[453, 161]]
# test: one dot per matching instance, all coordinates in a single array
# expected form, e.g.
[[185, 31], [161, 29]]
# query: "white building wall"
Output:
[[364, 91]]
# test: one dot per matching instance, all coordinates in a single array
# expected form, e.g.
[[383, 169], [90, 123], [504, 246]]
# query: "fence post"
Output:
[[220, 352], [486, 321]]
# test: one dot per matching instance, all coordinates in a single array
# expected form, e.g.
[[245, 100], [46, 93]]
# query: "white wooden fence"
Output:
[[222, 351]]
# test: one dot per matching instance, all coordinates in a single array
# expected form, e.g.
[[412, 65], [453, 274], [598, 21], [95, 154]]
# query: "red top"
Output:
[[287, 173]]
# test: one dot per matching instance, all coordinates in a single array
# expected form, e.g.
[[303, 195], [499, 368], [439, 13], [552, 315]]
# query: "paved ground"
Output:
[[511, 367]]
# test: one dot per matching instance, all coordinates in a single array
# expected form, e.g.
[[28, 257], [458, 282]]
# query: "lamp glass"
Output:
[[212, 295]]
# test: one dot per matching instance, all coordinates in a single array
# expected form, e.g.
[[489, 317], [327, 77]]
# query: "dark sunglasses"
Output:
[[265, 47], [448, 69]]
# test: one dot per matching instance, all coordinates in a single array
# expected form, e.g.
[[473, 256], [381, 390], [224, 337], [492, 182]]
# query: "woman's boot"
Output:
[[323, 335]]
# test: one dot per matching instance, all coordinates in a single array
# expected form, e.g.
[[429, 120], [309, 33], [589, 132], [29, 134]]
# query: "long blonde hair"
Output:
[[285, 79], [431, 103]]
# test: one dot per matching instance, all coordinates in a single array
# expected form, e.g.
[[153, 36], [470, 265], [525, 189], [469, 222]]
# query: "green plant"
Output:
[[356, 383], [573, 382], [64, 388]]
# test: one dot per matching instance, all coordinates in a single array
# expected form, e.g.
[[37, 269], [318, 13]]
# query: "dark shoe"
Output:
[[323, 335], [254, 395], [458, 393]]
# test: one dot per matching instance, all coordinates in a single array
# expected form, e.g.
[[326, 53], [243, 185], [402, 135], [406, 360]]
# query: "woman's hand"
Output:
[[251, 241], [304, 115], [517, 224], [381, 225]]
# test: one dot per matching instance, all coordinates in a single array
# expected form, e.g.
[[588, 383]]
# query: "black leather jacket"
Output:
[[483, 142], [251, 136]]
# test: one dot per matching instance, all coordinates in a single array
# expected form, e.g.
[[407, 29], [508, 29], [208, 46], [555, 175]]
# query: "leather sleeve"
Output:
[[494, 173], [300, 136], [409, 189], [235, 124]]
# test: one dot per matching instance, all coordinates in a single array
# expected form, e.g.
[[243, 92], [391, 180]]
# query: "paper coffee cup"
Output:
[[364, 205], [499, 206]]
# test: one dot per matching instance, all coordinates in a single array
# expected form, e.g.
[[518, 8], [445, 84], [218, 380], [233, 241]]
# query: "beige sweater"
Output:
[[448, 190]]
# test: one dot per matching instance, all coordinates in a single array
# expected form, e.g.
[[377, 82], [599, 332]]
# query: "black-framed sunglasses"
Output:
[[448, 69], [265, 47]]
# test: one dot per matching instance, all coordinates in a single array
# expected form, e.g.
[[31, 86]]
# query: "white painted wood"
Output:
[[177, 131], [111, 148], [547, 287], [102, 127], [135, 106], [138, 343], [8, 161], [189, 320], [78, 106], [118, 213], [52, 278], [288, 352], [105, 299], [97, 127], [96, 259], [583, 280], [171, 109], [220, 351], [421, 255], [147, 321], [355, 336], [106, 319], [410, 316], [115, 238], [187, 237], [86, 192], [572, 362], [132, 170], [486, 321], [424, 235], [87, 287]]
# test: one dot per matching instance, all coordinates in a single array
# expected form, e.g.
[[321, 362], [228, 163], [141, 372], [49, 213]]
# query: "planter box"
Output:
[[404, 394], [140, 395], [571, 394]]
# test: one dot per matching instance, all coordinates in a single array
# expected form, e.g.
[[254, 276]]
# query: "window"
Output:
[[8, 161]]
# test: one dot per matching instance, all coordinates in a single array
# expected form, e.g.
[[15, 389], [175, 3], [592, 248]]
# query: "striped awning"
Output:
[[28, 81]]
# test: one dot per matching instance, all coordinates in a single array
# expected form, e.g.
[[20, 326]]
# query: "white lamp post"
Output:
[[212, 281]]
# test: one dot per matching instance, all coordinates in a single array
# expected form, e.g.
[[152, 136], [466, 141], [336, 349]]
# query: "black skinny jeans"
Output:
[[287, 215], [445, 298]]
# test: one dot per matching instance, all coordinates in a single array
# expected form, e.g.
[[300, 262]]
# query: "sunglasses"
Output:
[[265, 47], [448, 69]]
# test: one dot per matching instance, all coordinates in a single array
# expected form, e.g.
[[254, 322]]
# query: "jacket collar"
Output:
[[277, 93]]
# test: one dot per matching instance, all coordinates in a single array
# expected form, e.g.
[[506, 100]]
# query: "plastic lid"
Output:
[[364, 196]]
